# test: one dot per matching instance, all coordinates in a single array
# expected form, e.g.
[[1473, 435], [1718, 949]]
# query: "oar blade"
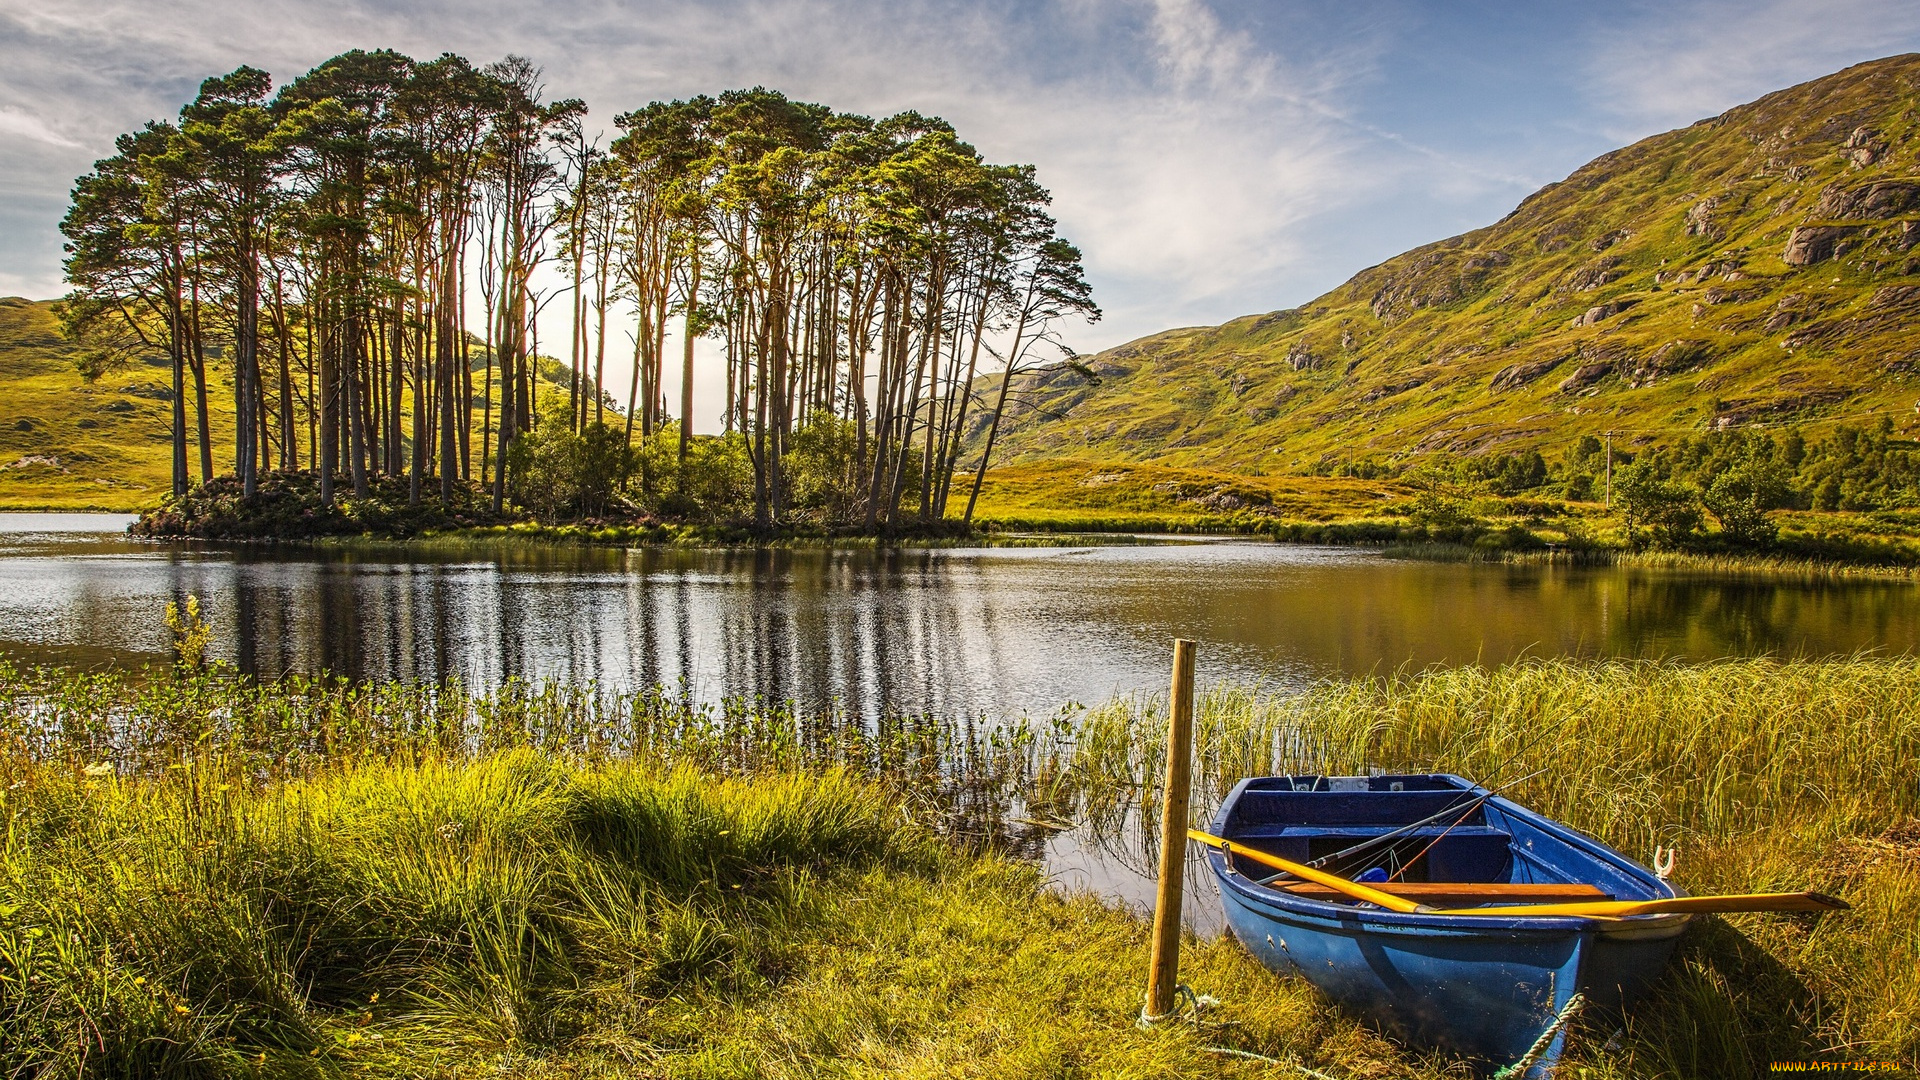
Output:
[[1794, 901]]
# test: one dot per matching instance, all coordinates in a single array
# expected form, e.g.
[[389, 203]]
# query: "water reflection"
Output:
[[952, 632]]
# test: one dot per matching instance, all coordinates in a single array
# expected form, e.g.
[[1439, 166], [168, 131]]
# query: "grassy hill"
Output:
[[1755, 268], [66, 444]]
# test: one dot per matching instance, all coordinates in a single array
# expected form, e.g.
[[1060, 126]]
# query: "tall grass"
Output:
[[392, 915], [444, 885], [207, 876], [1807, 567], [130, 725]]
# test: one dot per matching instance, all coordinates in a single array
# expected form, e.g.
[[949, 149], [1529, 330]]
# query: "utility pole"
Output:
[[1609, 470]]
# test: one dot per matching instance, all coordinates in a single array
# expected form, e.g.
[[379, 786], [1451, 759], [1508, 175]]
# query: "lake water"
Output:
[[952, 632]]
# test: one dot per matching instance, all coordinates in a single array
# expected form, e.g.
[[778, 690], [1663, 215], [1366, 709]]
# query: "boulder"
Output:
[[1864, 147], [1811, 244], [1700, 219], [1607, 240], [1586, 375], [1515, 376], [1595, 274], [1874, 201], [1601, 312]]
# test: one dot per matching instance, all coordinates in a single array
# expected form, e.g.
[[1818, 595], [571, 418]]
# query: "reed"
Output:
[[527, 912], [207, 876]]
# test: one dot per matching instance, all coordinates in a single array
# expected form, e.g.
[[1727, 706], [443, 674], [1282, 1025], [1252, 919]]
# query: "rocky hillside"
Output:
[[1756, 268]]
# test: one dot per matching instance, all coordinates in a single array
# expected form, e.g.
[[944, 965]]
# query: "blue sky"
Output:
[[1212, 159]]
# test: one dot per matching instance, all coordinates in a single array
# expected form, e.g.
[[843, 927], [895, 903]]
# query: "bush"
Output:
[[557, 472], [287, 506], [820, 469], [1666, 510], [1440, 501], [713, 484], [1740, 498]]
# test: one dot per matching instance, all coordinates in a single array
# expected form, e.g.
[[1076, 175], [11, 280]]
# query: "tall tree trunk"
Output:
[[246, 370], [443, 347], [177, 353], [686, 358], [283, 333], [329, 408]]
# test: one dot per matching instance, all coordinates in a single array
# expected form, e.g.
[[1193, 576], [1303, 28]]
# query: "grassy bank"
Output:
[[212, 878], [1072, 495], [209, 877]]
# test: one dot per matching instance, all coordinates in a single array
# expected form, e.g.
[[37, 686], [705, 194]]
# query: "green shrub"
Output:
[[1656, 507], [557, 471], [713, 484]]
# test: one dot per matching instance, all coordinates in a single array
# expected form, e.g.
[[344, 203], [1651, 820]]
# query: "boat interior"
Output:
[[1429, 837]]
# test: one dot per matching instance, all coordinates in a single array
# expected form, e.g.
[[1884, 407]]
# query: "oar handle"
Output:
[[1332, 881]]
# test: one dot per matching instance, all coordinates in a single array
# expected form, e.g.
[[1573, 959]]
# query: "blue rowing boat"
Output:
[[1485, 987]]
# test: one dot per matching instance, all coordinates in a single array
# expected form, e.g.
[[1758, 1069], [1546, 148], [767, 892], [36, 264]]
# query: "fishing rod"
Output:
[[1471, 805], [1444, 833], [1374, 841]]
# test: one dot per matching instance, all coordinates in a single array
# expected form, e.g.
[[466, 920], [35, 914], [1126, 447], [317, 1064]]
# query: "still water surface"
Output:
[[953, 632]]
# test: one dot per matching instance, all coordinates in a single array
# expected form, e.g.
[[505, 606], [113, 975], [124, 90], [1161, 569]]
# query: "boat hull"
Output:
[[1484, 987], [1486, 993]]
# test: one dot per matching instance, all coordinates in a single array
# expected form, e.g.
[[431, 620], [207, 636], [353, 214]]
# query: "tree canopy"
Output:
[[326, 243]]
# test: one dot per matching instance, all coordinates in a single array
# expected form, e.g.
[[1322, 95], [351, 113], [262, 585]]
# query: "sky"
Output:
[[1211, 159]]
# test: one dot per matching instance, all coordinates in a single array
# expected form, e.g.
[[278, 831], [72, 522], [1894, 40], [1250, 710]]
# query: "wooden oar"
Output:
[[1800, 901], [1308, 873], [1782, 901]]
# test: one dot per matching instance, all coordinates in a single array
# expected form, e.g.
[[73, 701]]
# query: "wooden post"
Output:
[[1164, 978]]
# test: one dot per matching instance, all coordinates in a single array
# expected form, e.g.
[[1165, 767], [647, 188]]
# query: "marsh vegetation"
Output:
[[211, 876]]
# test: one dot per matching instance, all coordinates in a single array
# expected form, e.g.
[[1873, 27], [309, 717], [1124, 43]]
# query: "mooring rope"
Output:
[[1195, 1002], [1195, 1005], [1519, 1068]]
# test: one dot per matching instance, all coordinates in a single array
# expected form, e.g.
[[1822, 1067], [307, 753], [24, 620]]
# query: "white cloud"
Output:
[[24, 125], [1194, 49], [1179, 150], [1663, 66], [1209, 160]]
